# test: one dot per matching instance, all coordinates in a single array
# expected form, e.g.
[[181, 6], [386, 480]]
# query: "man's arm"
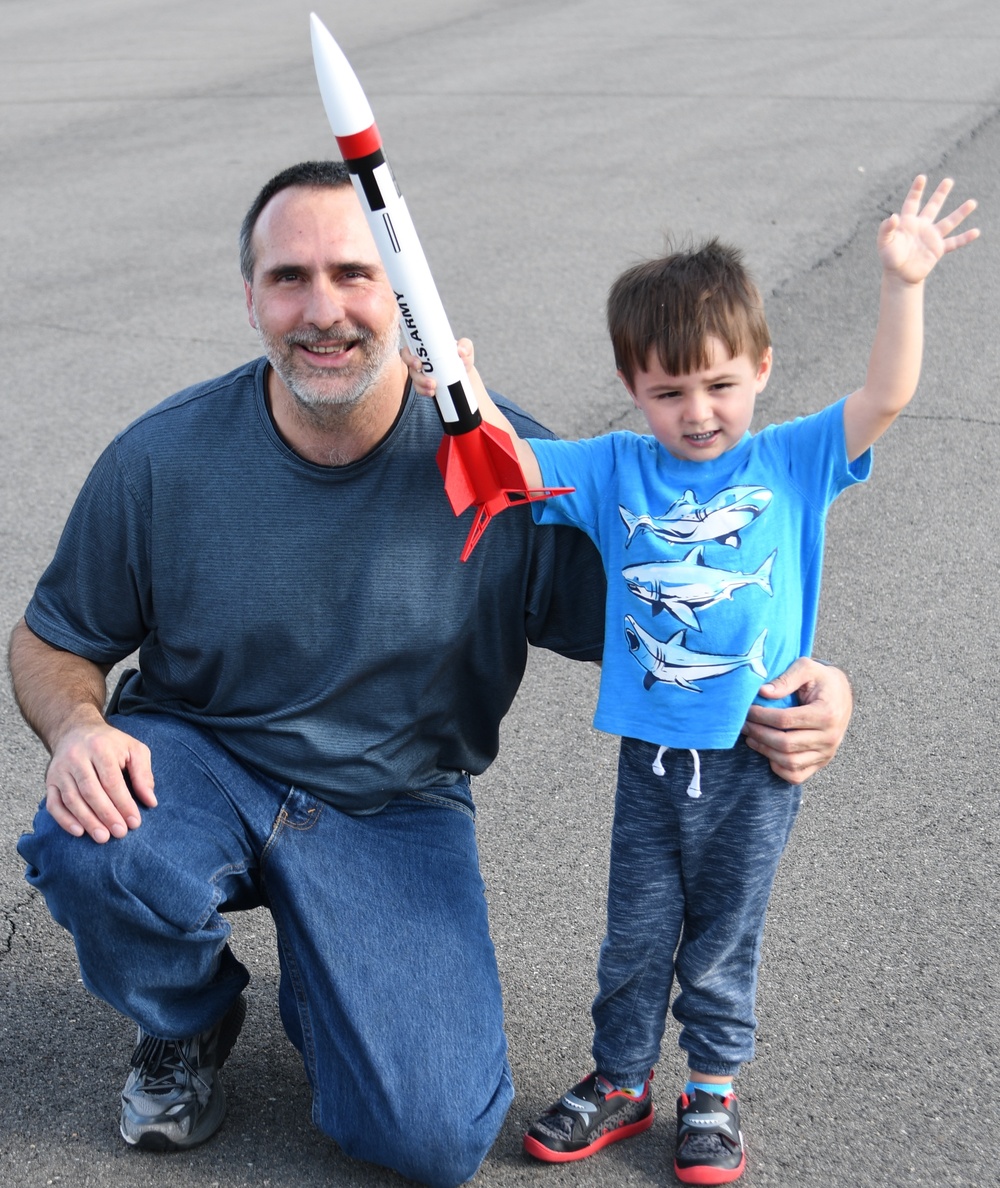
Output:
[[61, 696], [909, 245], [801, 739]]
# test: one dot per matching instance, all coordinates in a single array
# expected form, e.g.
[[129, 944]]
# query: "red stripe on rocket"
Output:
[[476, 460]]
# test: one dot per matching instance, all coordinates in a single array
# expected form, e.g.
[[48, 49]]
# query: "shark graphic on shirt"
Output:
[[675, 664], [683, 587], [721, 518]]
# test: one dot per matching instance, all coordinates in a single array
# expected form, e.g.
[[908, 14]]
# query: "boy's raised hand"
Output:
[[911, 243], [425, 385]]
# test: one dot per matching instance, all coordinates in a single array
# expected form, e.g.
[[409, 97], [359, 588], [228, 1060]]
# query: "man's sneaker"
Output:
[[593, 1114], [173, 1097], [709, 1139]]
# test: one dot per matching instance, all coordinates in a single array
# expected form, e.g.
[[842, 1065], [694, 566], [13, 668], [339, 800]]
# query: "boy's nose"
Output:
[[697, 408]]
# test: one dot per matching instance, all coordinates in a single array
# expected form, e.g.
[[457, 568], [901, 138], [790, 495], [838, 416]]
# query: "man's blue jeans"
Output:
[[389, 985], [687, 898]]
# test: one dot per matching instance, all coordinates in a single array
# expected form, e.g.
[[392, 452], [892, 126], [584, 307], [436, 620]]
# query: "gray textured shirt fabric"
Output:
[[316, 619]]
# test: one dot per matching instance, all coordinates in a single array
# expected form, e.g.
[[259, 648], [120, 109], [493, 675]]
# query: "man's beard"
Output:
[[317, 390]]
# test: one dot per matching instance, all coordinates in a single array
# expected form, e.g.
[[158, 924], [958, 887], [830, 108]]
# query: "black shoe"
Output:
[[593, 1114], [173, 1097], [709, 1139]]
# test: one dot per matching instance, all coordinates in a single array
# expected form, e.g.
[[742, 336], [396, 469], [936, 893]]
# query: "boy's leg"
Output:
[[646, 897], [645, 914], [389, 980], [733, 838]]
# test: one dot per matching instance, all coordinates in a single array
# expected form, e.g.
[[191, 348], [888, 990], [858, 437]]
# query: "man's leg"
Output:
[[389, 980], [143, 910]]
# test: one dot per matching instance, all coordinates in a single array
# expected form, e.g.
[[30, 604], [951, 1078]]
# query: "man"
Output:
[[318, 675]]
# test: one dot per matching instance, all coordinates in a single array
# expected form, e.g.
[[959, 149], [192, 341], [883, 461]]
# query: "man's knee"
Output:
[[66, 869], [441, 1141], [124, 880]]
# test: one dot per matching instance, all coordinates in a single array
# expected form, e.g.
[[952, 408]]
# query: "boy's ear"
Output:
[[764, 369], [625, 385]]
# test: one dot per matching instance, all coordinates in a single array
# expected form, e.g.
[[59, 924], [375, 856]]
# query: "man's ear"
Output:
[[248, 293]]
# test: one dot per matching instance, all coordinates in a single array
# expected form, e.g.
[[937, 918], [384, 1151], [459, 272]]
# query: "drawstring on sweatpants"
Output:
[[694, 788]]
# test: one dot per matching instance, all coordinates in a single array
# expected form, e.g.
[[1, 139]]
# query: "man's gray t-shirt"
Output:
[[316, 619]]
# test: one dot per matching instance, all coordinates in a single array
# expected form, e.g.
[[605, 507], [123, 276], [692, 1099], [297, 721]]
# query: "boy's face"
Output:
[[697, 417]]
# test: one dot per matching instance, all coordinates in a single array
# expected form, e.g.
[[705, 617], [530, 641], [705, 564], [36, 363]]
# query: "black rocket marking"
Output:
[[390, 230], [365, 168], [467, 418]]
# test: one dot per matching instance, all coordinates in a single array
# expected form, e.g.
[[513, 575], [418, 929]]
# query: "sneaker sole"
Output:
[[214, 1115], [703, 1174], [538, 1151], [157, 1141]]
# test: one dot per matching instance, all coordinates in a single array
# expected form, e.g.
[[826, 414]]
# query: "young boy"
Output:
[[712, 541]]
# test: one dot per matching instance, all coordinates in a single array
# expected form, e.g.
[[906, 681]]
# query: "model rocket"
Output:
[[476, 459]]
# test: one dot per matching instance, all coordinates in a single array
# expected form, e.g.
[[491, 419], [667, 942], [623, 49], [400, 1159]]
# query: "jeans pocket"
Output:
[[168, 889]]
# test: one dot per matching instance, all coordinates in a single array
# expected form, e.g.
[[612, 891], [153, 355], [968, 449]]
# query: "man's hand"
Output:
[[62, 697], [86, 787], [801, 739]]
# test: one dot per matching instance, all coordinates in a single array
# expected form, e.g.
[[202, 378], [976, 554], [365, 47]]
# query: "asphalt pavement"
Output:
[[542, 147]]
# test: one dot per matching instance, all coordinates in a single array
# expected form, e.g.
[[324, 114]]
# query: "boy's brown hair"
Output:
[[675, 304]]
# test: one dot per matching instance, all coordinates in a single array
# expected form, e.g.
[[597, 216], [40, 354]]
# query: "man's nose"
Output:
[[325, 307]]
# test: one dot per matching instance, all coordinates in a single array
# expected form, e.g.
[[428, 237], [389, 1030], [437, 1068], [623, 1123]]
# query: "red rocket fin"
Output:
[[481, 468]]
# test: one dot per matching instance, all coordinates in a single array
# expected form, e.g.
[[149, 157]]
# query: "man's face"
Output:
[[319, 298], [701, 415]]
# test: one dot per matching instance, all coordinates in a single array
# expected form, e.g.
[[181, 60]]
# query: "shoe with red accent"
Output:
[[709, 1139], [587, 1118]]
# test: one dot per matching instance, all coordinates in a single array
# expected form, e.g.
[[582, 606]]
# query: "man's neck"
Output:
[[335, 435]]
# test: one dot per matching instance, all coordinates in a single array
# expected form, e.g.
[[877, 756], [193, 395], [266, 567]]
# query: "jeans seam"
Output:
[[448, 802], [305, 1024]]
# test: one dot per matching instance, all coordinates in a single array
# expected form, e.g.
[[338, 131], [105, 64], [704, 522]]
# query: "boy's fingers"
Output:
[[934, 203], [950, 222]]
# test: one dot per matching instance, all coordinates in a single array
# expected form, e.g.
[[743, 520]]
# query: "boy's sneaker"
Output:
[[709, 1139], [587, 1118], [173, 1097]]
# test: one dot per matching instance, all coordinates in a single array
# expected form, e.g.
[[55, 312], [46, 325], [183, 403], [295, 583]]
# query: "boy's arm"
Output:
[[425, 385], [909, 245]]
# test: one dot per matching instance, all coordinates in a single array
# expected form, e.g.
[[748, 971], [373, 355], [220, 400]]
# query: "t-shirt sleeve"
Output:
[[567, 587], [586, 466], [817, 454], [93, 599]]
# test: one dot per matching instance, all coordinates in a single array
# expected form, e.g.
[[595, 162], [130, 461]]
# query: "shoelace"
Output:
[[163, 1064], [694, 788]]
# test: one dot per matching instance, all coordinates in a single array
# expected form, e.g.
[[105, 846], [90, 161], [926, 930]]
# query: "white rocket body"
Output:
[[423, 320]]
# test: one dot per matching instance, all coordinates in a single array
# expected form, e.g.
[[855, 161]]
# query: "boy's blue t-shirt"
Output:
[[713, 567]]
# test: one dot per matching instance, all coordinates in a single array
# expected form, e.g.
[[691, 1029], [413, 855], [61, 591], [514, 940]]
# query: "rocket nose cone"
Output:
[[347, 108]]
